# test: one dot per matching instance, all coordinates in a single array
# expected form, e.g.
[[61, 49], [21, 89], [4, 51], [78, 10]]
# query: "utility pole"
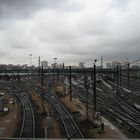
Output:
[[18, 74], [120, 77], [42, 76], [137, 70], [70, 83], [92, 73], [13, 74], [57, 76], [128, 74], [95, 84], [53, 74], [63, 68], [33, 74], [54, 69], [117, 80], [39, 68], [42, 83], [6, 74], [86, 88]]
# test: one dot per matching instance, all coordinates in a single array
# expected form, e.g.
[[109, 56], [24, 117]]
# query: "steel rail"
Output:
[[28, 120]]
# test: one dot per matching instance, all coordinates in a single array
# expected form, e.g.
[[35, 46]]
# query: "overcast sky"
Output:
[[71, 30]]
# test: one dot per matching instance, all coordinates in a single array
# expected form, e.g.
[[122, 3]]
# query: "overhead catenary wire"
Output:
[[134, 61]]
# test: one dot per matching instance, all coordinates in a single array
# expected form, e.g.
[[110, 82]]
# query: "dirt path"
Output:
[[9, 120]]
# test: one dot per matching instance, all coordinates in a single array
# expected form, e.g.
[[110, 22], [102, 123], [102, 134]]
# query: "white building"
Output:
[[44, 64]]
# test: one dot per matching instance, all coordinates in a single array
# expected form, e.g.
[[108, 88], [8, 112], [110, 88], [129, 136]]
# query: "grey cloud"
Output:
[[72, 36], [26, 8]]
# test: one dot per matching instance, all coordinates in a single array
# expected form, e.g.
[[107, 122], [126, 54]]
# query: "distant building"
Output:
[[81, 65], [72, 67], [53, 65], [57, 66], [125, 64], [109, 65], [10, 66], [24, 66], [44, 64], [3, 66], [135, 66], [113, 64]]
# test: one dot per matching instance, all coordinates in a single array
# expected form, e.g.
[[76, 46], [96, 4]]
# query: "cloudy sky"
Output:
[[71, 30]]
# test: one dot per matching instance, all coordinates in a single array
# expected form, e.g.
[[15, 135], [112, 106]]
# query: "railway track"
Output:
[[28, 124], [71, 128], [28, 119], [69, 125], [114, 113], [125, 109], [111, 105]]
